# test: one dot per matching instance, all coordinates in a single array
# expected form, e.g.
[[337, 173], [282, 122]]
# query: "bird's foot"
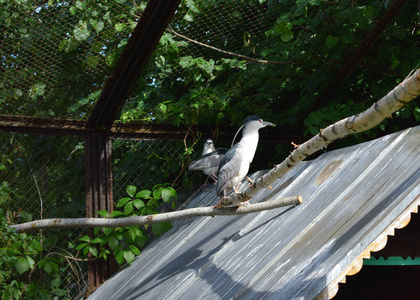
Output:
[[244, 203], [222, 202], [202, 187], [250, 181]]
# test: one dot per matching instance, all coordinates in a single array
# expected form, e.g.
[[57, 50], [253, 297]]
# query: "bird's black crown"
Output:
[[252, 118]]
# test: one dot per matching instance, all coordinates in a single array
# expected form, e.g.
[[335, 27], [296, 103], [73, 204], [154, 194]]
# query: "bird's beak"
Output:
[[265, 123]]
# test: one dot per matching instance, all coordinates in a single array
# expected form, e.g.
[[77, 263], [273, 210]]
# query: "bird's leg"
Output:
[[204, 185], [236, 188], [221, 203], [214, 177]]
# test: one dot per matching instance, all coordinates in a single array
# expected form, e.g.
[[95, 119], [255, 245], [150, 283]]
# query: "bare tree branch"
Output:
[[244, 57], [159, 218], [406, 91]]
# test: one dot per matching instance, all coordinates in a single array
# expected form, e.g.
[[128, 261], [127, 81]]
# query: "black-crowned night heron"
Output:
[[209, 160], [235, 164], [208, 147]]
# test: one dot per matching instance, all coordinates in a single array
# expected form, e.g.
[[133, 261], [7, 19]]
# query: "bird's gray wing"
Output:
[[228, 169], [209, 160]]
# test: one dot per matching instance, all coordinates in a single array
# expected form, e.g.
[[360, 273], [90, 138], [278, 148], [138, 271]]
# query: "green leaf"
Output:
[[81, 246], [98, 240], [186, 62], [157, 193], [81, 5], [147, 211], [48, 267], [22, 265], [331, 41], [134, 249], [128, 208], [119, 256], [116, 213], [30, 261], [129, 256], [188, 18], [132, 234], [38, 89], [81, 33], [167, 194], [313, 130], [139, 203], [85, 238], [161, 228], [120, 27], [97, 24], [143, 194], [131, 190], [112, 242], [123, 201], [108, 231], [93, 250], [73, 10], [103, 213]]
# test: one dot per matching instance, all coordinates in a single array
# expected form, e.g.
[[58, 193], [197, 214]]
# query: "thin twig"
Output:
[[37, 188], [244, 57]]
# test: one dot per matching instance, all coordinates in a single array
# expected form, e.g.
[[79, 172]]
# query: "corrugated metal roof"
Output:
[[352, 199]]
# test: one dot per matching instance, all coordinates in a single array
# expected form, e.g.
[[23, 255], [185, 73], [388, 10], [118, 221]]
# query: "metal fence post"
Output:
[[98, 196]]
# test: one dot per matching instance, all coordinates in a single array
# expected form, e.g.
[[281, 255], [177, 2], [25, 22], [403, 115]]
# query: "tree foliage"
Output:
[[28, 269], [124, 243], [186, 83]]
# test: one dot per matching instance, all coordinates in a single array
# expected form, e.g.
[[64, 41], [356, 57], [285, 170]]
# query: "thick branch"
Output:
[[244, 57], [406, 91], [153, 219]]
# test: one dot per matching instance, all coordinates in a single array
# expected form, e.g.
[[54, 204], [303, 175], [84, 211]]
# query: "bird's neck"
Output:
[[249, 143]]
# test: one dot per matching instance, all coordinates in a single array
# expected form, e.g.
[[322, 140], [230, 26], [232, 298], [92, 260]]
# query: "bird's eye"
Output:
[[260, 120]]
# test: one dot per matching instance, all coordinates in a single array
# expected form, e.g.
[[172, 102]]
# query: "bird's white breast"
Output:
[[247, 147]]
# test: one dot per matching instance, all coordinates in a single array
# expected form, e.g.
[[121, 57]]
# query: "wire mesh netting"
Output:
[[219, 58], [44, 176], [56, 56], [145, 163]]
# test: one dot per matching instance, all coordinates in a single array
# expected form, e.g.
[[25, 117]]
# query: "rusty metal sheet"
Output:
[[353, 199]]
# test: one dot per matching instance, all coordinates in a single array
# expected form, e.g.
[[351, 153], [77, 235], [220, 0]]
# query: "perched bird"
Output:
[[209, 160], [235, 164], [208, 147]]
